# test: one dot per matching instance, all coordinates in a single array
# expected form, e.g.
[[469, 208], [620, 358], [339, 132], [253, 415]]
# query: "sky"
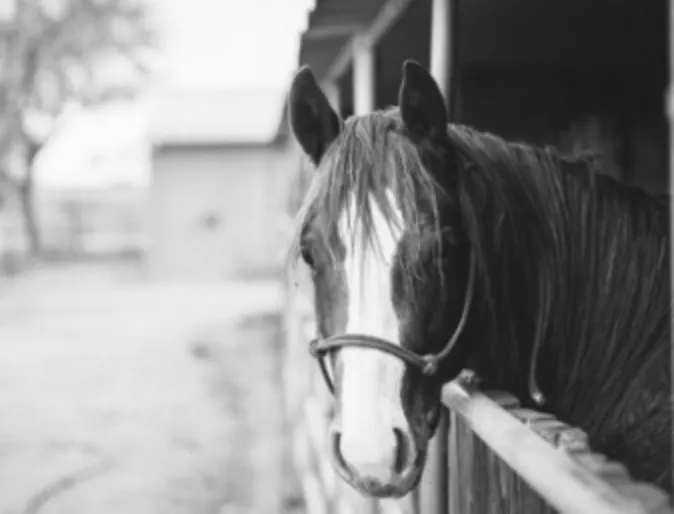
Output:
[[204, 44], [233, 43]]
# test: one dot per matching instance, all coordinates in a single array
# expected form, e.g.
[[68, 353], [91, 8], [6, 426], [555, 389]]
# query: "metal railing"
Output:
[[489, 456]]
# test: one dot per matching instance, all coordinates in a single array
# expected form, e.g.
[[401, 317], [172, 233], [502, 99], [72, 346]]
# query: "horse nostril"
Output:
[[402, 451], [371, 484], [336, 450]]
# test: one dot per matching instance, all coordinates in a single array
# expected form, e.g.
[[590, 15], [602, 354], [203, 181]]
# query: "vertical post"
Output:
[[440, 51], [444, 48], [363, 75]]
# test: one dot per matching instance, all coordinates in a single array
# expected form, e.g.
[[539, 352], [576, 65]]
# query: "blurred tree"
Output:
[[60, 54]]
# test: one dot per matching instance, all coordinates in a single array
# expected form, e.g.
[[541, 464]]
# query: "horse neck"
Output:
[[578, 263]]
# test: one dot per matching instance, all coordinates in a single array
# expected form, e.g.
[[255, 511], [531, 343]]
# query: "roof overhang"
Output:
[[326, 44]]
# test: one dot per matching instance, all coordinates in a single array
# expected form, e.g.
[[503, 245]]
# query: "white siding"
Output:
[[238, 186]]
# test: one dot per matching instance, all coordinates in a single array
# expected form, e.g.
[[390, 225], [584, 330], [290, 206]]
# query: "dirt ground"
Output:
[[119, 395]]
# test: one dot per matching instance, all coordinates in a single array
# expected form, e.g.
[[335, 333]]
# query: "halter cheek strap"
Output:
[[428, 364]]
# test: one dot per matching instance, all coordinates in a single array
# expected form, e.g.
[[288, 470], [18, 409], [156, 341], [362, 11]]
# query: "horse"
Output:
[[434, 248]]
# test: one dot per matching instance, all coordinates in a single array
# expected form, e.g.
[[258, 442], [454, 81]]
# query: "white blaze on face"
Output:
[[370, 406]]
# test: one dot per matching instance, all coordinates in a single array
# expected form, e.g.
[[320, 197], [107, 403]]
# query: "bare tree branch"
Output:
[[75, 45], [60, 53]]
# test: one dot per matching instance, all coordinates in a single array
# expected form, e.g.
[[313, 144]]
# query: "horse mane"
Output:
[[593, 251], [369, 160]]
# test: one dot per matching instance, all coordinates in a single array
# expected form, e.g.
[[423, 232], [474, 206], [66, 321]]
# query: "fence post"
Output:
[[433, 486]]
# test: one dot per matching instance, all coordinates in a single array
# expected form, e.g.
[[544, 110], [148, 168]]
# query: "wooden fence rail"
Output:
[[520, 460], [489, 456]]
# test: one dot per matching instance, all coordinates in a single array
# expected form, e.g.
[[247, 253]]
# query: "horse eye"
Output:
[[306, 256]]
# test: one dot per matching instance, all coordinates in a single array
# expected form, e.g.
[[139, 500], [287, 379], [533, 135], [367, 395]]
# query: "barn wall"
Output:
[[92, 222], [215, 211], [524, 75], [617, 113], [528, 77], [408, 38]]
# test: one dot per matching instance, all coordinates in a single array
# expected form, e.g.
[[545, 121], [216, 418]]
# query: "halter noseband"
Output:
[[428, 364]]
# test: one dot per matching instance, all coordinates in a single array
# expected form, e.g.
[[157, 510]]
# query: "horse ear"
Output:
[[313, 121], [421, 103]]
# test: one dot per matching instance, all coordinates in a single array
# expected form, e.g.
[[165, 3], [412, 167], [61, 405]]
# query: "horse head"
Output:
[[380, 230]]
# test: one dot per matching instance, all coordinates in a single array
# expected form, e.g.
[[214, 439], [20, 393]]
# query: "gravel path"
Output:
[[124, 396]]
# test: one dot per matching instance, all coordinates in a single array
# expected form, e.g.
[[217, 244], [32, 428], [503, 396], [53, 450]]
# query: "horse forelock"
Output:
[[371, 165]]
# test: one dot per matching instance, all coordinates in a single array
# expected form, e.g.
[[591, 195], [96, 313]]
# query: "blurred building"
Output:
[[93, 222], [13, 241], [220, 163]]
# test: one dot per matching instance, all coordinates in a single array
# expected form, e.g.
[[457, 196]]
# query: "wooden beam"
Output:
[[341, 62], [343, 29], [386, 17], [559, 477], [331, 90]]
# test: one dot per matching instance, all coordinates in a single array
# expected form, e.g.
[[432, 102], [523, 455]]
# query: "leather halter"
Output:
[[428, 363]]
